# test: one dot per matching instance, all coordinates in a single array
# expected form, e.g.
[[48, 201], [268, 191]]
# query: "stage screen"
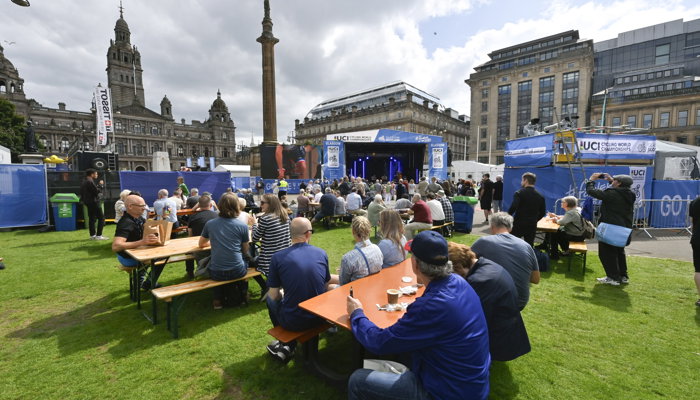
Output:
[[290, 161], [384, 160]]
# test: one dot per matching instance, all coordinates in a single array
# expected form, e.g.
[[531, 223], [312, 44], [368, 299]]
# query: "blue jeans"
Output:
[[370, 384], [224, 292]]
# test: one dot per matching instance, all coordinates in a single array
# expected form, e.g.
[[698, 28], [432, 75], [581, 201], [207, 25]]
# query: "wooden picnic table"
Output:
[[547, 225], [370, 290], [152, 255]]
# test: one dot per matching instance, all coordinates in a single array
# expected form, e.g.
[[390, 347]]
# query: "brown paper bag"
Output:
[[160, 228]]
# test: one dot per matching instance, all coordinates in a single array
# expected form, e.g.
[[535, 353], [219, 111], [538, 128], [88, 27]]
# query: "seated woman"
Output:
[[508, 338], [272, 230], [229, 242], [392, 246], [571, 226], [364, 259]]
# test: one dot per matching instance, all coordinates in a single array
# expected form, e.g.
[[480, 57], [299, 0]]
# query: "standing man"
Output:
[[486, 195], [181, 185], [260, 187], [302, 271], [444, 331], [422, 187], [434, 186], [91, 196], [527, 208], [616, 208], [694, 211], [165, 208], [497, 203], [282, 188]]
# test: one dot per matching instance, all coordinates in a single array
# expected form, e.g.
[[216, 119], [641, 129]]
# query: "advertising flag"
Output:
[[103, 104]]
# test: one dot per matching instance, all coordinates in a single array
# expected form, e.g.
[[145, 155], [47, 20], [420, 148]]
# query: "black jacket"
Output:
[[507, 334], [528, 206], [89, 192], [617, 205]]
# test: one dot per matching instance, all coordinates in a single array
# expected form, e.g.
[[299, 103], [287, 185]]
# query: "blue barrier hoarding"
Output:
[[23, 195], [149, 183]]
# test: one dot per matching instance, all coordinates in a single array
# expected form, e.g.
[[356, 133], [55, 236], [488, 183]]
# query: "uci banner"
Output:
[[534, 151], [616, 147], [103, 104], [437, 165], [384, 136], [333, 160]]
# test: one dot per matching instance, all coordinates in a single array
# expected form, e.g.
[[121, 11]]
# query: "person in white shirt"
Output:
[[436, 210], [177, 198], [354, 203]]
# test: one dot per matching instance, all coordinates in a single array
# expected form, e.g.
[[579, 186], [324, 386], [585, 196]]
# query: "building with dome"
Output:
[[138, 130]]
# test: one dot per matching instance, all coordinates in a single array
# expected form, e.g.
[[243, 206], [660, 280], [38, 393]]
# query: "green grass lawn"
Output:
[[69, 331]]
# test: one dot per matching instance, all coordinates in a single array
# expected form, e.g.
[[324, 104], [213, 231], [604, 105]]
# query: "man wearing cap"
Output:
[[444, 330], [616, 208]]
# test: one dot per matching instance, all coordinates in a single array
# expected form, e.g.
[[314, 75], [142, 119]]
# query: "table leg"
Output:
[[311, 361]]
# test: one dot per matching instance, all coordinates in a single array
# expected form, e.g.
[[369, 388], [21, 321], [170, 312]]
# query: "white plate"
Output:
[[407, 279]]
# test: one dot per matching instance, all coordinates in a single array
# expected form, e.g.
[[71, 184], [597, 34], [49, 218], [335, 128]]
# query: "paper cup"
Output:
[[392, 296]]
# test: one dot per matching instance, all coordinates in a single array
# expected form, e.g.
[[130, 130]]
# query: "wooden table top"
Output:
[[173, 247], [370, 290], [547, 225]]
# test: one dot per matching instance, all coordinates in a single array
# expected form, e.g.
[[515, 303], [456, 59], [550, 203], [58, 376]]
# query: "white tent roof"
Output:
[[232, 168]]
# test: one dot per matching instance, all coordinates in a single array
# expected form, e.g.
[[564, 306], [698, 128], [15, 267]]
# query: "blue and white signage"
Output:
[[531, 151], [437, 165], [616, 147], [384, 136], [333, 159]]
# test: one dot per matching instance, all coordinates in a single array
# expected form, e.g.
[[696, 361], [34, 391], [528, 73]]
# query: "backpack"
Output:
[[588, 228], [542, 260]]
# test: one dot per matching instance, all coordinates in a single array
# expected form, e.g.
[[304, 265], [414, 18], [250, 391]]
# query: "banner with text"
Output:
[[437, 164], [616, 147], [669, 209], [103, 104], [384, 136], [534, 151], [333, 160]]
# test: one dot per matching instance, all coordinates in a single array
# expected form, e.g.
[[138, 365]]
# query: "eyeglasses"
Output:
[[310, 230], [140, 205]]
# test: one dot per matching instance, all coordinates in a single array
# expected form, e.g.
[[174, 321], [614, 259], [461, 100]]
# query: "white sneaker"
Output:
[[93, 237], [625, 280], [101, 237], [608, 281]]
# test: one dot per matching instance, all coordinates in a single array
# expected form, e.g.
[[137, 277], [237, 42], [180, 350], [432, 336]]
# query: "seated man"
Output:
[[444, 331], [195, 228], [354, 203], [129, 235], [328, 204], [403, 204], [514, 254], [192, 199], [499, 299], [340, 206], [447, 210], [435, 209], [302, 271], [364, 259], [422, 219]]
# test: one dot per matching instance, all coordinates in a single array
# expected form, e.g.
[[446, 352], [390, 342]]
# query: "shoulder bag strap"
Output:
[[365, 257]]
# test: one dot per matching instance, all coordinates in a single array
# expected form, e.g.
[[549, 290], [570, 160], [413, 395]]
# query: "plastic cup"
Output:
[[392, 296]]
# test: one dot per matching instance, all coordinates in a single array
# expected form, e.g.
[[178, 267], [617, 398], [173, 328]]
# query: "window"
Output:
[[137, 128], [482, 146], [697, 116], [682, 139], [121, 148], [571, 78], [484, 120], [547, 82], [64, 144], [44, 142], [616, 121], [484, 93], [504, 90], [632, 121], [206, 151], [118, 126], [546, 97], [663, 119], [571, 93], [180, 151], [662, 54], [154, 130], [484, 106], [547, 70], [647, 120], [484, 133], [682, 118]]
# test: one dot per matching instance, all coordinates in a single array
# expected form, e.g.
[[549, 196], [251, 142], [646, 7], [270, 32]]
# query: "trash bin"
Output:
[[64, 210], [464, 213]]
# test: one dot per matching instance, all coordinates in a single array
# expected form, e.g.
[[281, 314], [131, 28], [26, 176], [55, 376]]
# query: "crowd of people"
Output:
[[470, 312]]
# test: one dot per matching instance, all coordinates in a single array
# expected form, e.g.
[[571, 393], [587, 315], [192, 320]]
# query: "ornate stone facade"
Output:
[[139, 131], [398, 106]]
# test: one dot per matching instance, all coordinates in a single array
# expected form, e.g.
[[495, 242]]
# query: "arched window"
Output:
[[206, 151], [3, 88], [138, 149], [180, 151], [64, 144], [121, 148], [154, 130], [137, 128], [225, 152], [140, 168], [44, 142], [12, 88], [194, 152]]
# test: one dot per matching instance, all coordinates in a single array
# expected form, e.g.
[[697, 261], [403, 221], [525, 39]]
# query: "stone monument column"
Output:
[[268, 41]]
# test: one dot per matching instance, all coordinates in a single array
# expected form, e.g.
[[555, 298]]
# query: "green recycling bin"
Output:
[[64, 210]]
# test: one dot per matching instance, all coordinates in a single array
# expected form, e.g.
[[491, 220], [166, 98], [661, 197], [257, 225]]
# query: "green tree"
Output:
[[11, 129]]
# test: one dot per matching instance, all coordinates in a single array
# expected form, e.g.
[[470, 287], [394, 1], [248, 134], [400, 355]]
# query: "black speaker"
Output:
[[98, 161]]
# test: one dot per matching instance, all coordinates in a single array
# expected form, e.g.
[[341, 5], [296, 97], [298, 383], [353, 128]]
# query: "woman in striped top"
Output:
[[272, 230]]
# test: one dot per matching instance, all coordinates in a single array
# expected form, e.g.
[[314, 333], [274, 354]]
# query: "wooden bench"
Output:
[[578, 249], [309, 341], [436, 228], [333, 219], [174, 296]]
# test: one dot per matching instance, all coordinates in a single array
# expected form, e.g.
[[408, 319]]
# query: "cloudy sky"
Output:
[[327, 48]]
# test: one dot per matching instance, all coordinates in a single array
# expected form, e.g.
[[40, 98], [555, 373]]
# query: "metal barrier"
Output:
[[665, 213]]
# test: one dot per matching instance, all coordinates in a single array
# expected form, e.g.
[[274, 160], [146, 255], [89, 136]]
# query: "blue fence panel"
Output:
[[149, 183], [23, 195], [669, 207]]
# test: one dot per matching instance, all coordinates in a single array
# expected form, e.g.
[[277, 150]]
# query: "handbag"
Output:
[[614, 235], [588, 228]]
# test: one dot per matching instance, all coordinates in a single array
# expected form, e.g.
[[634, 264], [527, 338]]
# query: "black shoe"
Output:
[[146, 286], [280, 351]]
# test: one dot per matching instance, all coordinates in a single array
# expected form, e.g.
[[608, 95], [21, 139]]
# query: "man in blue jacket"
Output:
[[444, 331]]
